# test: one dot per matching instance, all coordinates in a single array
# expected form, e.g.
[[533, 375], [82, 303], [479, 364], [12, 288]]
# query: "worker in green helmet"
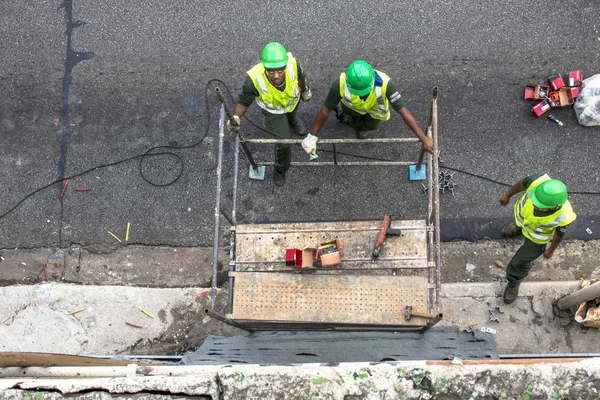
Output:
[[277, 84], [361, 98], [542, 216]]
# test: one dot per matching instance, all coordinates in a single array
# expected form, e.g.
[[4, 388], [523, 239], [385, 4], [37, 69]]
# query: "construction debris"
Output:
[[146, 312], [115, 236], [76, 311]]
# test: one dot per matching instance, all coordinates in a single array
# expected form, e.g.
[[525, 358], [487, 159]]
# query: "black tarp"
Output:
[[336, 347]]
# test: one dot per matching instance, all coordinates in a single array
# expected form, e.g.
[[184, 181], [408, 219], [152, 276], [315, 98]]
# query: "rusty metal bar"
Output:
[[226, 320], [243, 143], [265, 325], [432, 322]]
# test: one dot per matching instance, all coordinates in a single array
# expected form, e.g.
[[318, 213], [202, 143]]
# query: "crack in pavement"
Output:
[[72, 59], [15, 313]]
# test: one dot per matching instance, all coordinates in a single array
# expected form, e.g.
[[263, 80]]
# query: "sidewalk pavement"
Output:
[[36, 318], [116, 287]]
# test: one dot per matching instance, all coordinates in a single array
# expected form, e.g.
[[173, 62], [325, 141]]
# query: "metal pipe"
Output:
[[243, 143], [236, 158], [271, 229], [432, 322], [580, 296], [431, 276], [344, 163], [436, 172], [233, 122], [428, 133], [225, 106], [333, 141], [226, 320], [213, 299]]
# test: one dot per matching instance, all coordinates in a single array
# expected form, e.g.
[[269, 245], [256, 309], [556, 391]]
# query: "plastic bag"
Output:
[[587, 105], [588, 313]]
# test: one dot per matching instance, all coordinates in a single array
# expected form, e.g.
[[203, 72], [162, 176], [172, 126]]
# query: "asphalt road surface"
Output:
[[85, 84]]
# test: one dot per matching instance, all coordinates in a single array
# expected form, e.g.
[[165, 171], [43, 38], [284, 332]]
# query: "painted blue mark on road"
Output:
[[191, 104]]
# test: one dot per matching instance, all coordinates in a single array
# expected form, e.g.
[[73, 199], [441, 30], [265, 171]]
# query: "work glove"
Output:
[[236, 127], [309, 144], [307, 94]]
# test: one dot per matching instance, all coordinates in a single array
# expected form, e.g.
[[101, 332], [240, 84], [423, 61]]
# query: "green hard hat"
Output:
[[360, 78], [549, 194], [274, 56]]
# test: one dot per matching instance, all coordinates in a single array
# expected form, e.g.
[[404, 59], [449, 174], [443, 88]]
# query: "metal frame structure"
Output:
[[433, 217]]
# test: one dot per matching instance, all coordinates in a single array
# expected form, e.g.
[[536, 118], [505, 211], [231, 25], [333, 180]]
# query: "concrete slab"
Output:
[[528, 326], [72, 319]]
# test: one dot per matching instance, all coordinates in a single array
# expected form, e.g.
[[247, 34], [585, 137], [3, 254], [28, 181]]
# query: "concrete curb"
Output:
[[370, 381], [495, 289]]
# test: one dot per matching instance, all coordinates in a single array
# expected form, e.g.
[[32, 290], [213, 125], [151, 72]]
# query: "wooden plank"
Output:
[[15, 359], [358, 299], [262, 246]]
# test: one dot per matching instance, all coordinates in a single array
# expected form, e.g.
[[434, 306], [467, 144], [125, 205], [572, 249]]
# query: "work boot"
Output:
[[362, 134], [299, 128], [278, 178], [511, 231], [510, 293]]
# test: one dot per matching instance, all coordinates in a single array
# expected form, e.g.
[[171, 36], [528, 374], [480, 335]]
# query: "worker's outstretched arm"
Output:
[[320, 120], [412, 123], [240, 110], [516, 188]]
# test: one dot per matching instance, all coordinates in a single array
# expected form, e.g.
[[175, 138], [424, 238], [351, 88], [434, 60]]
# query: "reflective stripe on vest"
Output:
[[269, 97], [263, 84], [540, 230], [376, 104]]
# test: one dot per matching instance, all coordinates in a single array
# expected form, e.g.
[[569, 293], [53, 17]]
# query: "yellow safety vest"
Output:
[[540, 230], [376, 105], [269, 97]]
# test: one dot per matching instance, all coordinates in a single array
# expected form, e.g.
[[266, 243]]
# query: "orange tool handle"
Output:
[[382, 232]]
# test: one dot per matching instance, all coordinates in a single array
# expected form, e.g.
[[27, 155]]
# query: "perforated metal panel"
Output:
[[359, 299]]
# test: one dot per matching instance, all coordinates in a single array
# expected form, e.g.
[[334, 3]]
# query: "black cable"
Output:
[[452, 169], [77, 175], [383, 159], [141, 156], [208, 118]]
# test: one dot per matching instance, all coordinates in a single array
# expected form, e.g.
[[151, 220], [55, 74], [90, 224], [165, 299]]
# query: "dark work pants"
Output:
[[519, 266], [279, 125], [358, 121]]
